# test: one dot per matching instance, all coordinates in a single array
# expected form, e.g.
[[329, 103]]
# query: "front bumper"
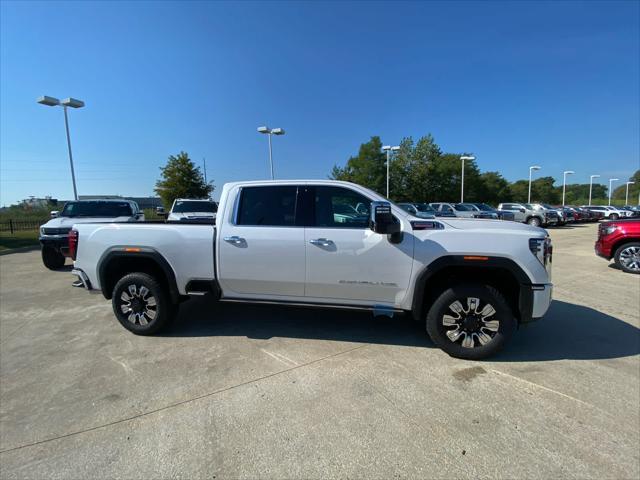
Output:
[[58, 242], [542, 297], [84, 280]]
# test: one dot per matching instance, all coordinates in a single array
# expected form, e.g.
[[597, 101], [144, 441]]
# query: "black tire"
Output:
[[140, 318], [52, 258], [614, 216], [630, 249], [534, 221], [498, 334]]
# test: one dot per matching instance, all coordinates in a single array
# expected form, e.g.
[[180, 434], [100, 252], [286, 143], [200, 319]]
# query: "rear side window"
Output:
[[273, 206], [340, 207]]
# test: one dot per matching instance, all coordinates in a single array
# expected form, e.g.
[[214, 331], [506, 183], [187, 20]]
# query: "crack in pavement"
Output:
[[183, 402]]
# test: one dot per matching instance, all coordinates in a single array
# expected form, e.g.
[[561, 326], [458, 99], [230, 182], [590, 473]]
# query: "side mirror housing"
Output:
[[522, 210], [54, 213], [382, 220]]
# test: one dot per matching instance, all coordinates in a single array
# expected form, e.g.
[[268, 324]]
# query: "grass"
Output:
[[18, 239]]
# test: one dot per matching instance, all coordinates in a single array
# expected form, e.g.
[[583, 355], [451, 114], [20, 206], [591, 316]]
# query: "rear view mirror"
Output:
[[382, 220]]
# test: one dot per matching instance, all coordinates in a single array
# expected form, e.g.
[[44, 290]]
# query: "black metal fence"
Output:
[[12, 226]]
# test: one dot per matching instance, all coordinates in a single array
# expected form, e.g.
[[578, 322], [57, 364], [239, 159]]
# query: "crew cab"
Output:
[[620, 240], [54, 235], [470, 282]]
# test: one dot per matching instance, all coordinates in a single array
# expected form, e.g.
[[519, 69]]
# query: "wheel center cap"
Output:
[[136, 305], [471, 323]]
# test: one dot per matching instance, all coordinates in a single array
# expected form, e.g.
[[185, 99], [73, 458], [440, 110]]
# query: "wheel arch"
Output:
[[119, 261], [502, 273]]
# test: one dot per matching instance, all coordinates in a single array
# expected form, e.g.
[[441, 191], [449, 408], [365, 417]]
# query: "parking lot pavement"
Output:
[[248, 391]]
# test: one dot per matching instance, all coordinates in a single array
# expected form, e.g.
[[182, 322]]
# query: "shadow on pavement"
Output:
[[568, 331]]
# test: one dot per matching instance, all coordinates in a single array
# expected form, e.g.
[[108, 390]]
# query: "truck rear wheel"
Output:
[[141, 304], [470, 321], [52, 258]]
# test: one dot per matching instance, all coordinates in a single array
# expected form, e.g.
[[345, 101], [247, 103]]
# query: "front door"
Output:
[[348, 262], [262, 250]]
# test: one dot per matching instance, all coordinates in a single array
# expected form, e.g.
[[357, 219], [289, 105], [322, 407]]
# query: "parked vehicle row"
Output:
[[469, 281]]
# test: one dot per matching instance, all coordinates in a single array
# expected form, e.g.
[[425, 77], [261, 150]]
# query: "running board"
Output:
[[375, 309]]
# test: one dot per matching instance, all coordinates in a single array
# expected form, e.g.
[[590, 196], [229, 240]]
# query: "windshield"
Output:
[[183, 206], [546, 205], [424, 207], [528, 206], [97, 209], [484, 207], [462, 207]]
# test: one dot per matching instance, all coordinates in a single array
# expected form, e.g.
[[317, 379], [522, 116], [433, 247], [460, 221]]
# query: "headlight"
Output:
[[609, 229], [41, 230], [541, 248]]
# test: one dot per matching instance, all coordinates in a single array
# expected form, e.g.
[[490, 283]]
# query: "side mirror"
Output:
[[522, 210], [55, 213], [382, 220]]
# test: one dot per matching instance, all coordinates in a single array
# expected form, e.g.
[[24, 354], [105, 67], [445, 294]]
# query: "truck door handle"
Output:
[[322, 242], [235, 240]]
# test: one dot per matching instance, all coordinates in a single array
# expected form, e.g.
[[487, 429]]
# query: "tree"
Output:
[[542, 190], [180, 178], [368, 168], [494, 188], [621, 191]]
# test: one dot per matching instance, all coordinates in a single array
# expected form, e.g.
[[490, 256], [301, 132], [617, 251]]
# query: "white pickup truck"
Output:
[[325, 244]]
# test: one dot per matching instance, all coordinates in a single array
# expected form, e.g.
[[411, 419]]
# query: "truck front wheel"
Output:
[[141, 304], [470, 321], [52, 258]]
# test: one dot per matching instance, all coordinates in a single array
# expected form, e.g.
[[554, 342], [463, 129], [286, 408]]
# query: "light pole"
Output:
[[611, 180], [626, 198], [463, 158], [389, 149], [591, 186], [271, 131], [531, 169], [564, 182], [67, 102]]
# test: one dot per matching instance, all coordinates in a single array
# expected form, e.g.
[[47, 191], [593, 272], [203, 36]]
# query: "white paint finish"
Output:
[[355, 256], [267, 261]]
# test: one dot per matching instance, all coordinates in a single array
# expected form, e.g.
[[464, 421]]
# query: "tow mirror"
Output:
[[382, 220]]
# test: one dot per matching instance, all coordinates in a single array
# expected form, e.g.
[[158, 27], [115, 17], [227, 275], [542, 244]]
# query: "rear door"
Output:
[[262, 248], [346, 261]]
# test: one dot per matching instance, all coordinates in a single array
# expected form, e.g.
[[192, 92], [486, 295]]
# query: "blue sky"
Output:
[[516, 83]]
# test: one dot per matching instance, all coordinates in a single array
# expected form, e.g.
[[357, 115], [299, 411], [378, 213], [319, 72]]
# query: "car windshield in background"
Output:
[[484, 207], [546, 205], [528, 206], [194, 206], [424, 207], [97, 209], [461, 207]]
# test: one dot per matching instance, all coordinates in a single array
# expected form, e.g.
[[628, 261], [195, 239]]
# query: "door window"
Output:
[[340, 208], [273, 206]]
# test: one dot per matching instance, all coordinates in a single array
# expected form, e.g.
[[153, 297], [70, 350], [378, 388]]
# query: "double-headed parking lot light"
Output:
[[531, 169], [591, 186], [270, 131], [564, 182], [67, 102]]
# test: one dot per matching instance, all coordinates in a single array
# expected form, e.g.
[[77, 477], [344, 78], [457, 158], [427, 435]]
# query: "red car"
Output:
[[620, 240]]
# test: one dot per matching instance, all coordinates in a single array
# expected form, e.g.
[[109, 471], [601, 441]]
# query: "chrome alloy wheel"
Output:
[[138, 304], [473, 326], [630, 258]]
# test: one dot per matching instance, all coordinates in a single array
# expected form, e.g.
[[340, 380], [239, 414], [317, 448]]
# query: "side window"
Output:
[[340, 207], [446, 208], [273, 206]]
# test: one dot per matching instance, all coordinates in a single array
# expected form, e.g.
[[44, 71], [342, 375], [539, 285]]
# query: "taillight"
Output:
[[73, 243]]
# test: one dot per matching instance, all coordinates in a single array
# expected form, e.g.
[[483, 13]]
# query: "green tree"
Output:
[[542, 190], [368, 168], [180, 178], [620, 192], [494, 188]]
